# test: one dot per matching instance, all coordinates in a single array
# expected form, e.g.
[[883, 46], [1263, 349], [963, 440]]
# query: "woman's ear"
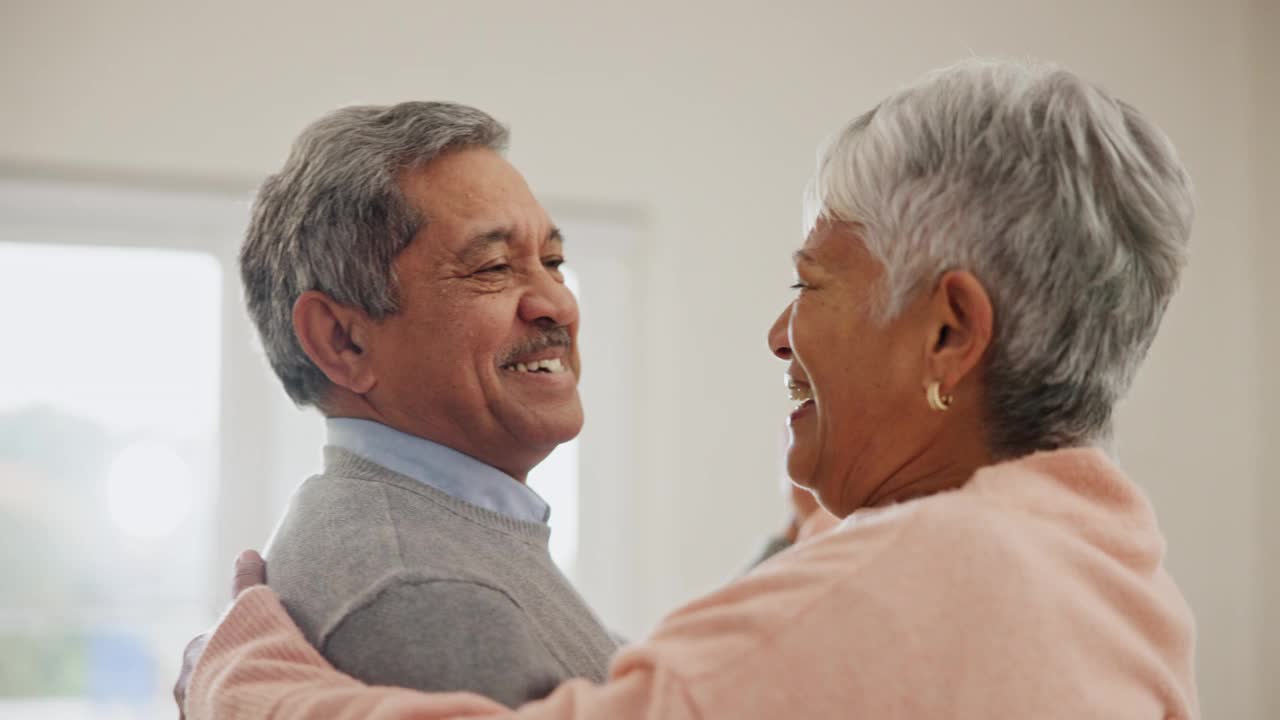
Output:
[[962, 322], [334, 337]]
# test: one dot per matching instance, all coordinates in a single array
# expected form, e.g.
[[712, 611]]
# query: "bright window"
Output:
[[109, 396]]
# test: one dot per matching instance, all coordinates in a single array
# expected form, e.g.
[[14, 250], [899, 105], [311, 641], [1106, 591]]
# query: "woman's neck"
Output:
[[940, 467]]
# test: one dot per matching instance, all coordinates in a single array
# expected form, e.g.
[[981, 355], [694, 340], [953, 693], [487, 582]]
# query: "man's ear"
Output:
[[961, 321], [333, 335]]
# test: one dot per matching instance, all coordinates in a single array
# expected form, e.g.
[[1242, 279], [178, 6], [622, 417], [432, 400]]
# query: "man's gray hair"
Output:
[[334, 218], [1069, 206]]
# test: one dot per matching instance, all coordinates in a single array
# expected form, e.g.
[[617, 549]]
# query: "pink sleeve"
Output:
[[816, 524], [258, 665]]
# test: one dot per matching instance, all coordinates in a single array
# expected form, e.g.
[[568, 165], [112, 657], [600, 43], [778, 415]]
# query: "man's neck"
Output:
[[455, 473], [345, 405]]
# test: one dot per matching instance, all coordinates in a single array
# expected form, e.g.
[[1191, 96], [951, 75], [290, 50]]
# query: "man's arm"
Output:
[[443, 636]]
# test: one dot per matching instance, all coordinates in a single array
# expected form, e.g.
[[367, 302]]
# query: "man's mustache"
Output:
[[555, 337]]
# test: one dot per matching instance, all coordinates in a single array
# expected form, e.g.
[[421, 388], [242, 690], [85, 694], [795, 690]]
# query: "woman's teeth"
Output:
[[552, 366], [801, 394]]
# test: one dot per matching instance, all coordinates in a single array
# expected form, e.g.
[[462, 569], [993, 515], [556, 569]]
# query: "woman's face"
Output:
[[860, 379]]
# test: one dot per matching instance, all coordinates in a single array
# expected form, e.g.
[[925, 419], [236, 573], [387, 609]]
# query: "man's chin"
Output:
[[552, 428]]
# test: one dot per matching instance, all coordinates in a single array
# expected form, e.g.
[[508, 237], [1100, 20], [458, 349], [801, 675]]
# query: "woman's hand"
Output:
[[251, 570]]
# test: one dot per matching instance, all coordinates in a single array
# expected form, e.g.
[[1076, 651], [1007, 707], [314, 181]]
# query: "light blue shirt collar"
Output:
[[443, 468]]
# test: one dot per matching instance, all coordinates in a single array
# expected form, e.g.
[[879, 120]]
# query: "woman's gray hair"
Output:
[[1069, 206], [334, 218]]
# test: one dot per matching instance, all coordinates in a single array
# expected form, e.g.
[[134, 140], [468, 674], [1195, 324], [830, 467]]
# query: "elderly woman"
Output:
[[989, 257]]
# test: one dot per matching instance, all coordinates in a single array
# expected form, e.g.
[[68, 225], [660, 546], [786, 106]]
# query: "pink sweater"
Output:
[[1036, 591]]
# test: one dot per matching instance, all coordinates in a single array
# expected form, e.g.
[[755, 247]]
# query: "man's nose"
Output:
[[549, 302]]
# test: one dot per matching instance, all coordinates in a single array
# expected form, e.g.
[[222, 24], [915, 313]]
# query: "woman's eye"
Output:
[[553, 263], [800, 286]]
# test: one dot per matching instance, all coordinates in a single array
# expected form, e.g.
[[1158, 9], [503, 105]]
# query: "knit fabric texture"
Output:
[[398, 583]]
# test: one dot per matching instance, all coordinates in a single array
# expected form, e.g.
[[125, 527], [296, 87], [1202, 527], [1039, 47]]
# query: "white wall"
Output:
[[1266, 168], [703, 119]]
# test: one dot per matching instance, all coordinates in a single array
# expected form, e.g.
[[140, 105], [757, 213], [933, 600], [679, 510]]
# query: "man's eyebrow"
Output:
[[485, 239], [479, 243], [800, 256]]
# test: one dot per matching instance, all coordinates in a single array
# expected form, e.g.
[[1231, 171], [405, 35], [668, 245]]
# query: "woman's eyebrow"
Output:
[[555, 236]]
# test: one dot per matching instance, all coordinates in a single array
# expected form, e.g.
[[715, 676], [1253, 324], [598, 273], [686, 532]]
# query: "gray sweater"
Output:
[[398, 583]]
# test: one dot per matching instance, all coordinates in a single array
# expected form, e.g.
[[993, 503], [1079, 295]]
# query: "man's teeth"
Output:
[[552, 366]]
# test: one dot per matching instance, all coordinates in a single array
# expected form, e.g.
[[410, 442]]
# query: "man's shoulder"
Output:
[[420, 598], [342, 537], [433, 633], [357, 517], [330, 520], [443, 601]]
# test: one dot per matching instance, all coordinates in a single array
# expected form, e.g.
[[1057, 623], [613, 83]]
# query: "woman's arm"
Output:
[[258, 665]]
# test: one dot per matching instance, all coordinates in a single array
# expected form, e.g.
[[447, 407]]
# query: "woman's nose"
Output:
[[778, 335]]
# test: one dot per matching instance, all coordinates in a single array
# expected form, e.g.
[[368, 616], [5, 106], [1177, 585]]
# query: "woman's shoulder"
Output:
[[1039, 530], [984, 579]]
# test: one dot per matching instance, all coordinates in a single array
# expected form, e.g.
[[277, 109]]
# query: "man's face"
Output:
[[482, 355]]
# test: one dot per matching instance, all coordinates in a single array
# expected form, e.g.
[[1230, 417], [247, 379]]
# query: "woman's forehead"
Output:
[[833, 246]]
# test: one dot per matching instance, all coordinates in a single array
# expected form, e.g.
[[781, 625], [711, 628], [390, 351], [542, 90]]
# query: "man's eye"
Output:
[[500, 268], [553, 263], [800, 286]]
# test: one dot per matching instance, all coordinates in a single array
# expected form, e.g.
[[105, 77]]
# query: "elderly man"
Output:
[[407, 284]]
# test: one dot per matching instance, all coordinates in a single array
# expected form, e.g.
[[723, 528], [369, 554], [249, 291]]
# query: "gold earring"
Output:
[[937, 400]]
